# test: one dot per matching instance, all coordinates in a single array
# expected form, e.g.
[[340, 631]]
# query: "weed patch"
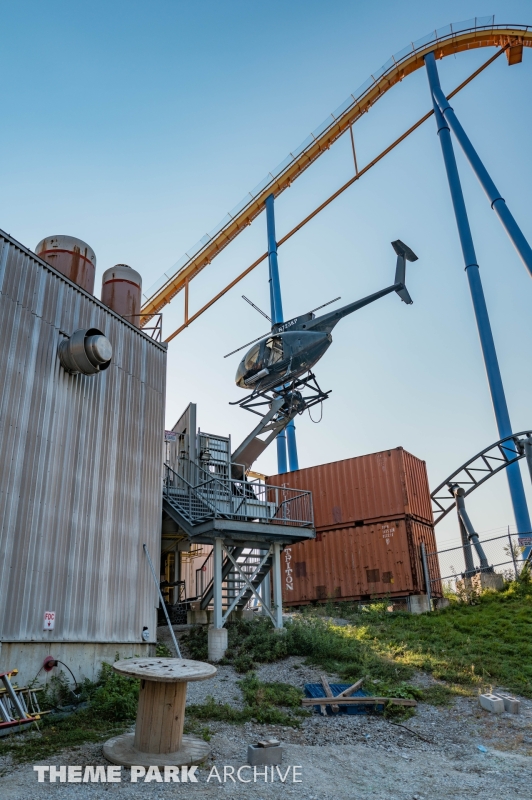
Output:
[[267, 703], [106, 708]]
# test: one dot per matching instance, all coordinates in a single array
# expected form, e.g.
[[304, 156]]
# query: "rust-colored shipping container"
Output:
[[392, 483], [371, 515], [382, 559]]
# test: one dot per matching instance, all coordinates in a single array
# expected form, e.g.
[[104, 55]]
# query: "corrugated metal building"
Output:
[[80, 476], [371, 515]]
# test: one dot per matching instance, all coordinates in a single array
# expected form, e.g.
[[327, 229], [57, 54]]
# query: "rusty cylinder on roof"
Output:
[[122, 291], [70, 256]]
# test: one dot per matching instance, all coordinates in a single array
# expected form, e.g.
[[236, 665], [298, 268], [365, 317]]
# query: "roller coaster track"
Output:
[[476, 471], [454, 38]]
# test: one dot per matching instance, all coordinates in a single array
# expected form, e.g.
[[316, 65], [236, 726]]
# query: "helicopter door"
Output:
[[273, 351]]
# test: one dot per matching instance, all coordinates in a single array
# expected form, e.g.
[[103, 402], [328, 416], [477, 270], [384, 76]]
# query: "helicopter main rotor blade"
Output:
[[256, 308], [312, 310], [246, 345]]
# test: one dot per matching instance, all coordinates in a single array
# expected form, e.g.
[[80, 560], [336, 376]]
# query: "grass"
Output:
[[476, 646], [469, 647], [466, 647], [107, 707], [267, 703]]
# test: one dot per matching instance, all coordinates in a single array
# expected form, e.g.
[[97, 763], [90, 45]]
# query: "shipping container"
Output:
[[392, 483], [359, 562]]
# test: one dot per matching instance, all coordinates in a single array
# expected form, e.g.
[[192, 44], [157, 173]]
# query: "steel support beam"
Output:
[[497, 202], [277, 588], [500, 407], [266, 594], [217, 583], [468, 533], [276, 306]]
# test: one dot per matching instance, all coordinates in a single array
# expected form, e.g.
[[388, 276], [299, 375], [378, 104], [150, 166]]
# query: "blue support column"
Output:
[[276, 305], [497, 202], [487, 343], [292, 446]]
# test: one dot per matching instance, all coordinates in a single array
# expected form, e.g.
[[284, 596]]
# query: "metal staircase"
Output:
[[250, 562], [208, 499]]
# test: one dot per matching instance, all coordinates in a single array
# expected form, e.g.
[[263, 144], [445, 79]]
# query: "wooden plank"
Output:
[[328, 693], [351, 701], [351, 689]]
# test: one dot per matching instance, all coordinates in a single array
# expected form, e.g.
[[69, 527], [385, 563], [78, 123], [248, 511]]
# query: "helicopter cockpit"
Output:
[[264, 355]]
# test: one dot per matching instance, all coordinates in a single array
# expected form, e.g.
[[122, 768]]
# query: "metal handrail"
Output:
[[215, 491]]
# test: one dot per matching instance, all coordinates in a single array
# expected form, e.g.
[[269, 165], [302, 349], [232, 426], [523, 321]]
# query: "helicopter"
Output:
[[292, 348]]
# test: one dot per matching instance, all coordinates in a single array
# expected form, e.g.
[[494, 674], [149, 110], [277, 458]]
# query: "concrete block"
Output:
[[490, 702], [487, 580], [418, 604], [442, 602], [217, 643], [265, 756], [511, 704], [195, 616]]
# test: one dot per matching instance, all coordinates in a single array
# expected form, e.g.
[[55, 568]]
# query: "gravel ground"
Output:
[[359, 757]]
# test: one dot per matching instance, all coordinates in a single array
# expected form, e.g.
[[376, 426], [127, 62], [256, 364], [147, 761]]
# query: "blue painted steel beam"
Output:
[[487, 343], [276, 305], [497, 202]]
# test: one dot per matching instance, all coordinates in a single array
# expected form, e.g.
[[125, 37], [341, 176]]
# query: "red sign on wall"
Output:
[[49, 620]]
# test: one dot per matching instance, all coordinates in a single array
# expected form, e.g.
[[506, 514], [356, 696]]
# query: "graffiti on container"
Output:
[[289, 581], [387, 533]]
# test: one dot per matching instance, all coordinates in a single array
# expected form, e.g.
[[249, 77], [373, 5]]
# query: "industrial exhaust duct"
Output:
[[87, 351]]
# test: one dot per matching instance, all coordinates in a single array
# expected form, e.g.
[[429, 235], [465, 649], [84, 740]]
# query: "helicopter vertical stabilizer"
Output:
[[404, 253]]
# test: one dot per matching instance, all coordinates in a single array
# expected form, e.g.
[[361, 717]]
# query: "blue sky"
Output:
[[136, 126]]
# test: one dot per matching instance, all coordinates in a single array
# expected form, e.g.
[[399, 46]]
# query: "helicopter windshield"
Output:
[[252, 357], [273, 352]]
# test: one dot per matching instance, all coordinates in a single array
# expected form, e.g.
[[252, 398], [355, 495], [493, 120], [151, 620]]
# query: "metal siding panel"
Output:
[[80, 465]]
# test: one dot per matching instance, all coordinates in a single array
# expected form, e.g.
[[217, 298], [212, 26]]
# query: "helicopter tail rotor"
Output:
[[404, 254]]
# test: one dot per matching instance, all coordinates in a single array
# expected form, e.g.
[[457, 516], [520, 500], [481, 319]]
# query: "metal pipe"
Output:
[[293, 460], [472, 535], [265, 593], [276, 305], [487, 343], [217, 584], [163, 604], [277, 591], [466, 547], [282, 463], [497, 202], [426, 573]]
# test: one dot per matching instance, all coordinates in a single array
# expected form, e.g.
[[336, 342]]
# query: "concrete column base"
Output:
[[217, 642], [196, 616], [418, 604]]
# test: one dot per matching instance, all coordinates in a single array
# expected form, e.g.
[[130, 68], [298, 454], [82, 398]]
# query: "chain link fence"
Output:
[[504, 554]]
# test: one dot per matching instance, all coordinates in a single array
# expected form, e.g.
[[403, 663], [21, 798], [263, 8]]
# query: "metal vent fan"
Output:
[[87, 351]]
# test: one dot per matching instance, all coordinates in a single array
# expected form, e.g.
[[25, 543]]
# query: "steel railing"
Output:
[[210, 496]]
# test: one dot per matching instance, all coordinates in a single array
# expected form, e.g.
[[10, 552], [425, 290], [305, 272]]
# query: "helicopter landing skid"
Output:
[[292, 394]]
